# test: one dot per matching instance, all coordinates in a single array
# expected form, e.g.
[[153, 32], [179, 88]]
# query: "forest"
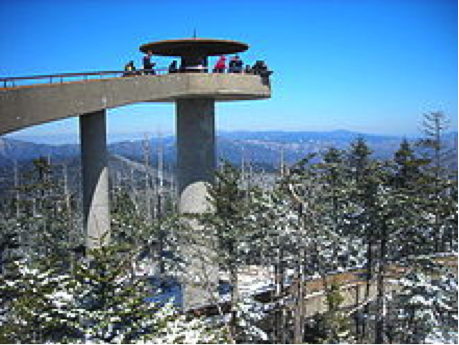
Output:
[[336, 217]]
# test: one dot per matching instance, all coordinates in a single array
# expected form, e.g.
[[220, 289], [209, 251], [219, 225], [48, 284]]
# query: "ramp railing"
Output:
[[11, 82]]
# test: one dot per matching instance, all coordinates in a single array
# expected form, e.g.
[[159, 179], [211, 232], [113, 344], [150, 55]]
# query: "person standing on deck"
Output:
[[220, 66], [147, 64], [235, 65]]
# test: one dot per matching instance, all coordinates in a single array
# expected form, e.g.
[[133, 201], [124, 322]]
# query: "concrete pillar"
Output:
[[96, 208], [195, 171], [195, 153]]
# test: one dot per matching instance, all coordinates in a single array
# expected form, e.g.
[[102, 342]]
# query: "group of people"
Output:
[[235, 65], [148, 65]]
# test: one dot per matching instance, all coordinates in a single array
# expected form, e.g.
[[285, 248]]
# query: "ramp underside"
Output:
[[31, 105]]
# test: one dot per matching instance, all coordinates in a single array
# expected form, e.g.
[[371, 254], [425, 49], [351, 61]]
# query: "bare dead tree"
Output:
[[146, 162], [16, 188]]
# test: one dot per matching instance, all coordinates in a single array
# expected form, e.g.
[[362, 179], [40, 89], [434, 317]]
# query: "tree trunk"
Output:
[[299, 307], [234, 299], [380, 299], [369, 277]]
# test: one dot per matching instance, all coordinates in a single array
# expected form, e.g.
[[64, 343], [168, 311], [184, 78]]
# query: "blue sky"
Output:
[[370, 66]]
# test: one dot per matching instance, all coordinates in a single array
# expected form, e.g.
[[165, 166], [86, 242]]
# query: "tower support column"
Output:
[[195, 171], [96, 207], [195, 153]]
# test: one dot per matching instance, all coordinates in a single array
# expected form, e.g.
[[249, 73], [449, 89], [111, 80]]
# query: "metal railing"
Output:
[[12, 82]]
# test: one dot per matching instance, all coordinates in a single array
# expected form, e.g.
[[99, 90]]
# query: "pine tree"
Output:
[[111, 304], [359, 158], [362, 172], [322, 244], [101, 302], [45, 228], [408, 182], [408, 167], [425, 310], [332, 327], [35, 304], [440, 186], [231, 225]]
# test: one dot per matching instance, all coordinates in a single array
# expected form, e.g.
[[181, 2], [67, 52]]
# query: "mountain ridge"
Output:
[[261, 147]]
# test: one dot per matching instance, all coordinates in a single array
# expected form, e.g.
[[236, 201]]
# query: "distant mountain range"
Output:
[[263, 149]]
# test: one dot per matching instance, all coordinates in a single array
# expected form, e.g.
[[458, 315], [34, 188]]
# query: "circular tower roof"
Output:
[[193, 47]]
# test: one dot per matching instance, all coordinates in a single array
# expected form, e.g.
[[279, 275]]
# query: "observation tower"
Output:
[[195, 129], [195, 110], [33, 100]]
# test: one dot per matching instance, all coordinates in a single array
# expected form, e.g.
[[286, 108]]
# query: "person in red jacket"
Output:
[[220, 66]]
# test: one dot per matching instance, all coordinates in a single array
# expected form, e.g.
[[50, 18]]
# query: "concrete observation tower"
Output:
[[195, 129], [194, 89], [195, 111]]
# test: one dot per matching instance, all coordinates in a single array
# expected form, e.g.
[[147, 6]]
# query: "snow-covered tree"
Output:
[[425, 309]]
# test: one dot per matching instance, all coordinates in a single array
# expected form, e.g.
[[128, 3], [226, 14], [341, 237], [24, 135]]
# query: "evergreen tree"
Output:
[[359, 158], [231, 225], [408, 168], [44, 227], [425, 310], [440, 186], [408, 182], [362, 171], [35, 304], [101, 302], [332, 327]]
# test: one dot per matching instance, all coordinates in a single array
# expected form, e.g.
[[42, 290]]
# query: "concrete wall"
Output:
[[31, 105]]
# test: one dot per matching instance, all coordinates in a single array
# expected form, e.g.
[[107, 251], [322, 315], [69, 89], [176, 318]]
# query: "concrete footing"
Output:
[[96, 209]]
